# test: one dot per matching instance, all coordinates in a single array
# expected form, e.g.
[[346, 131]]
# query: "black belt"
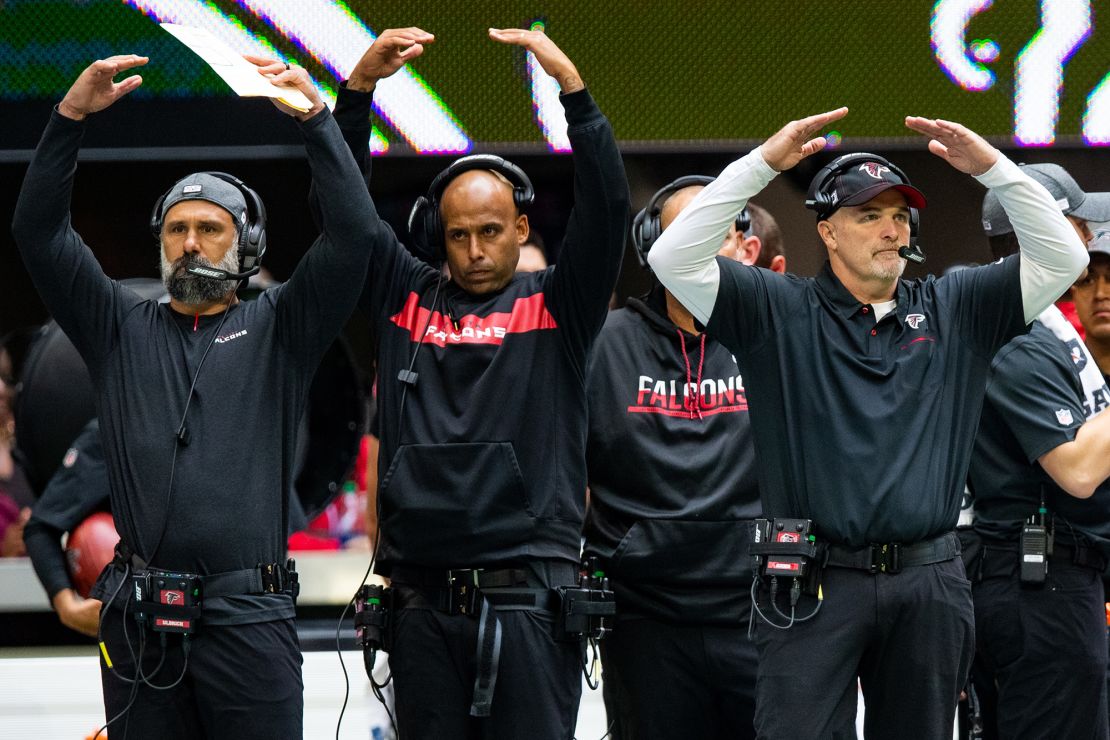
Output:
[[265, 578], [481, 593], [457, 591], [1004, 567], [893, 557]]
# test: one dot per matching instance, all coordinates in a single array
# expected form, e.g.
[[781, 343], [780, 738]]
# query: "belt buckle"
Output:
[[272, 581], [886, 558], [462, 591]]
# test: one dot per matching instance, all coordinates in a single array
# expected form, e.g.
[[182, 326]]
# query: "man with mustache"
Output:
[[199, 403], [864, 393]]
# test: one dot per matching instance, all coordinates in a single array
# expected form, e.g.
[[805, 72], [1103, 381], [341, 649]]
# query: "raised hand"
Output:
[[795, 141], [551, 57], [393, 49], [958, 145], [285, 75], [95, 89]]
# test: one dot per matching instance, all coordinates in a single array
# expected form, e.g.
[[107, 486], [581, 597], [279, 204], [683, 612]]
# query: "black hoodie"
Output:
[[671, 469]]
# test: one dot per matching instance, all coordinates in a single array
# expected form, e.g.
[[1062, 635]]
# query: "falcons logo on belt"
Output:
[[874, 169]]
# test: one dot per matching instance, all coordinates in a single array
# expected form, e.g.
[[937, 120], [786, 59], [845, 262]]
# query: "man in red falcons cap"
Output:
[[864, 392]]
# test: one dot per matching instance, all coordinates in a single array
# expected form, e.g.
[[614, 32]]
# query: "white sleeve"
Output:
[[1052, 254], [684, 257]]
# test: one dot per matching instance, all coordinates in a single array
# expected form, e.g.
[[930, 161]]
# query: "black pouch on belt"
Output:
[[166, 601]]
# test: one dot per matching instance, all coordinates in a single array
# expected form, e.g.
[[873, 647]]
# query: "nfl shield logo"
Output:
[[1063, 416], [70, 458]]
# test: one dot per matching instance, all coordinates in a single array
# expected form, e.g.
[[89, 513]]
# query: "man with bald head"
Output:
[[673, 491], [483, 418]]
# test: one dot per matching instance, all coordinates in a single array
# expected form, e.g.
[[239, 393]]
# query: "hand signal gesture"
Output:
[[551, 57], [95, 88], [393, 49], [795, 141], [955, 143]]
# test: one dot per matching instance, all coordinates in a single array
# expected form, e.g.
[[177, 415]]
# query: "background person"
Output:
[[673, 489]]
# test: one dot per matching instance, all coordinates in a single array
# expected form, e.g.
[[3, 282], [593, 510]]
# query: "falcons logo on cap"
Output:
[[874, 169]]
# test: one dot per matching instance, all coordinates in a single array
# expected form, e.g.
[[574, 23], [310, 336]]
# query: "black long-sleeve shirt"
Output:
[[227, 509], [77, 489], [487, 464]]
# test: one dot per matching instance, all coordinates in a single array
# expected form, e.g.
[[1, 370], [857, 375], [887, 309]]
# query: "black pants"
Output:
[[907, 636], [669, 681], [1046, 647], [432, 657], [241, 682]]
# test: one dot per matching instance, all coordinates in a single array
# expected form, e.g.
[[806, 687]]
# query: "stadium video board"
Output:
[[670, 75]]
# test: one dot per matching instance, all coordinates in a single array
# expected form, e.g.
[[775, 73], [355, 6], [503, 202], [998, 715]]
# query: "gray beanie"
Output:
[[203, 186]]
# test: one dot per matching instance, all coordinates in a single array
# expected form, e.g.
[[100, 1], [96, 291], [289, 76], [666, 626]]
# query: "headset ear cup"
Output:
[[434, 228], [156, 215], [523, 195], [743, 221], [652, 230], [422, 231], [638, 239], [252, 246]]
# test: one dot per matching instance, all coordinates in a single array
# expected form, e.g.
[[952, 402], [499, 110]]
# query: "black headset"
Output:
[[646, 226], [820, 195], [425, 221], [252, 233]]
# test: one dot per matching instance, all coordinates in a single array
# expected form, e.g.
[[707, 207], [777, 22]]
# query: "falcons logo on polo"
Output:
[[915, 320]]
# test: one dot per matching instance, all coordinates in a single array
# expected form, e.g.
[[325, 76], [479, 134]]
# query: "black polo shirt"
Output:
[[866, 428], [1034, 405]]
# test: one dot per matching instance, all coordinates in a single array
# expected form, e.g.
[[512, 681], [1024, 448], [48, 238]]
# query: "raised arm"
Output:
[[393, 49], [324, 289], [684, 257], [1052, 255], [589, 262], [66, 274], [387, 257]]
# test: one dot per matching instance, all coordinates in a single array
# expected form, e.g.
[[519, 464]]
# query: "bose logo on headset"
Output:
[[252, 226], [425, 220], [647, 227]]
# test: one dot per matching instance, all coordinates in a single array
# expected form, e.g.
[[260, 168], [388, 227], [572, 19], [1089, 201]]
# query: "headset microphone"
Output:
[[216, 273], [912, 253]]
